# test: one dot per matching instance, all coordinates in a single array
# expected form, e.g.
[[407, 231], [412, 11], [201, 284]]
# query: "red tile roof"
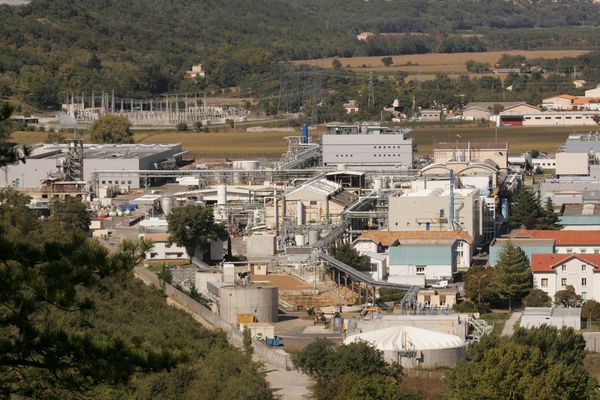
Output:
[[547, 262], [388, 238], [157, 237], [562, 238]]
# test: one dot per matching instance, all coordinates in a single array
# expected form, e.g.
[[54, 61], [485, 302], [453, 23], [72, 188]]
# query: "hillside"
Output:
[[143, 47]]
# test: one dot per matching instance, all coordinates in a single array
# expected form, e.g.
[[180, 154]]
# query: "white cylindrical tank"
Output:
[[222, 195], [300, 213], [377, 183], [299, 240], [313, 237], [166, 203], [245, 165]]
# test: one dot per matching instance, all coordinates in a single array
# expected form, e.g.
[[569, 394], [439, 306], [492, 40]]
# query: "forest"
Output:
[[144, 47]]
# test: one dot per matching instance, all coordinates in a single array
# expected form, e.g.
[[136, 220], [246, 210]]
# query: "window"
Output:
[[427, 226], [563, 282], [596, 251], [583, 281], [544, 282], [420, 270], [583, 251], [583, 267], [441, 213], [584, 295], [563, 267], [104, 182], [313, 202], [129, 182], [569, 251]]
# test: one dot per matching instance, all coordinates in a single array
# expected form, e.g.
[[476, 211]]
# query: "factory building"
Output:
[[429, 210], [49, 159], [469, 152], [367, 145]]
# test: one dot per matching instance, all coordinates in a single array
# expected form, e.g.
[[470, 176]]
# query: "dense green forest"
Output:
[[74, 323], [143, 47]]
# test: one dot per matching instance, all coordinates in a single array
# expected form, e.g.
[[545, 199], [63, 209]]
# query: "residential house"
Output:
[[579, 83], [563, 102], [197, 72], [437, 297], [351, 107], [554, 272], [420, 264], [162, 250]]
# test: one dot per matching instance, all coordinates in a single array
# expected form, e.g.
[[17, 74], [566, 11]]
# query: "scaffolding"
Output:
[[73, 166]]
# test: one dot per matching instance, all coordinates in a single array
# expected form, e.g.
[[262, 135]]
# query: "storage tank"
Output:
[[222, 195], [166, 204], [299, 240], [313, 236], [377, 183], [259, 300], [300, 213], [246, 165], [414, 347]]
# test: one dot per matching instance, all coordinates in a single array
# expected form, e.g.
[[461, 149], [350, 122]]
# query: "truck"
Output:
[[440, 285]]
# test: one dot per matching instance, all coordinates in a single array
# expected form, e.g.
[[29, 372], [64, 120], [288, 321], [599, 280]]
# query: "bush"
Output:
[[591, 309], [465, 307], [182, 127], [537, 298]]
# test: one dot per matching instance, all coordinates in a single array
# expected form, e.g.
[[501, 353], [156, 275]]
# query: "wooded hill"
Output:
[[143, 47]]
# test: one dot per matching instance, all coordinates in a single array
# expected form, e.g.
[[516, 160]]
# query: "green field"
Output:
[[271, 145]]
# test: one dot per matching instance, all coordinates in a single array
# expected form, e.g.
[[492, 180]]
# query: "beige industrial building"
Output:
[[572, 164], [425, 210], [484, 109], [312, 203], [467, 152]]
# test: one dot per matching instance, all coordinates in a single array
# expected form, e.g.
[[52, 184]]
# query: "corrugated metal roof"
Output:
[[421, 255]]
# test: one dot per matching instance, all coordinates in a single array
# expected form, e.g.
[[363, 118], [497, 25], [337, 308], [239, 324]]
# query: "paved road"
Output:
[[509, 327], [288, 385]]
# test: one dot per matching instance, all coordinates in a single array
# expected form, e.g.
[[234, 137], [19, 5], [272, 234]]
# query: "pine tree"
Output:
[[514, 279], [526, 210], [549, 220]]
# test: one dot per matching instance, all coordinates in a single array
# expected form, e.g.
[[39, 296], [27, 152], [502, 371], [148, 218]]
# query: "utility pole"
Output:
[[371, 98]]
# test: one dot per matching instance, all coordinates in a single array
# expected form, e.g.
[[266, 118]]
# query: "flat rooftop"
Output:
[[104, 151], [439, 192]]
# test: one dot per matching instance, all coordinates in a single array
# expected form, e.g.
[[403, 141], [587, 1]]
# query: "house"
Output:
[[431, 115], [365, 36], [579, 83], [420, 264], [351, 107], [546, 242], [380, 242], [485, 109], [197, 72], [586, 104], [162, 250], [437, 297], [563, 102], [554, 272], [593, 92], [314, 202]]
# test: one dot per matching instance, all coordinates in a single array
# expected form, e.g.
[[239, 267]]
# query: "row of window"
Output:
[[557, 117], [387, 147], [583, 267], [116, 182], [583, 251], [563, 282]]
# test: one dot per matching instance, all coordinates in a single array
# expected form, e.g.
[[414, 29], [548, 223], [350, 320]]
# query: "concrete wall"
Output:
[[260, 245]]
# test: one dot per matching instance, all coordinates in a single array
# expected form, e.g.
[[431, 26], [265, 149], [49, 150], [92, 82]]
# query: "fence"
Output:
[[592, 341], [234, 335]]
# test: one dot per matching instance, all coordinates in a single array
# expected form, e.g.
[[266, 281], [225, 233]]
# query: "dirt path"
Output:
[[509, 327]]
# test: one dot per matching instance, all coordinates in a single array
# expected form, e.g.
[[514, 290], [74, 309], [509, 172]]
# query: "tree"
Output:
[[549, 219], [347, 254], [525, 210], [70, 213], [165, 274], [497, 109], [198, 126], [567, 297], [43, 268], [193, 226], [248, 342], [336, 64], [55, 138], [537, 298], [521, 367], [111, 129], [387, 61], [514, 277], [9, 153], [591, 310], [479, 284]]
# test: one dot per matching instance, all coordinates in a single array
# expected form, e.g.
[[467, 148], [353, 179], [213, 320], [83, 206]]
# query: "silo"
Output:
[[222, 195], [258, 300], [313, 236], [300, 213]]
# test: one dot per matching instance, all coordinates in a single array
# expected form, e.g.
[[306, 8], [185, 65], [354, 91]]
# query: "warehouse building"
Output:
[[47, 159], [367, 145]]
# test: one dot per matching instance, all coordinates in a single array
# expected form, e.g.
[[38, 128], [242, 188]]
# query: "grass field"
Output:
[[430, 64], [271, 145]]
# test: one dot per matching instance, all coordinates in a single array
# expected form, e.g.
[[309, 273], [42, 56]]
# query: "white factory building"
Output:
[[47, 159], [367, 145]]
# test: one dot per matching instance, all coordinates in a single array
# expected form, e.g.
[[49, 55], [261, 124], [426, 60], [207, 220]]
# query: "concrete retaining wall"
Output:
[[592, 341], [274, 357]]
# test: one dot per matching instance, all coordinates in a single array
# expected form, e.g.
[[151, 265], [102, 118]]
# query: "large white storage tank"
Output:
[[246, 165], [262, 301], [414, 347]]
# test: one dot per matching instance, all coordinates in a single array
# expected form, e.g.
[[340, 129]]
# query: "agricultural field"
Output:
[[427, 65], [270, 145]]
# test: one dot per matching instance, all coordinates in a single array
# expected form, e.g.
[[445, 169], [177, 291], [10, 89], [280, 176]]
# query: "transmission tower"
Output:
[[371, 98]]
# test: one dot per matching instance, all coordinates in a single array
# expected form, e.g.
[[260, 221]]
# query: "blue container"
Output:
[[305, 133], [273, 342]]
